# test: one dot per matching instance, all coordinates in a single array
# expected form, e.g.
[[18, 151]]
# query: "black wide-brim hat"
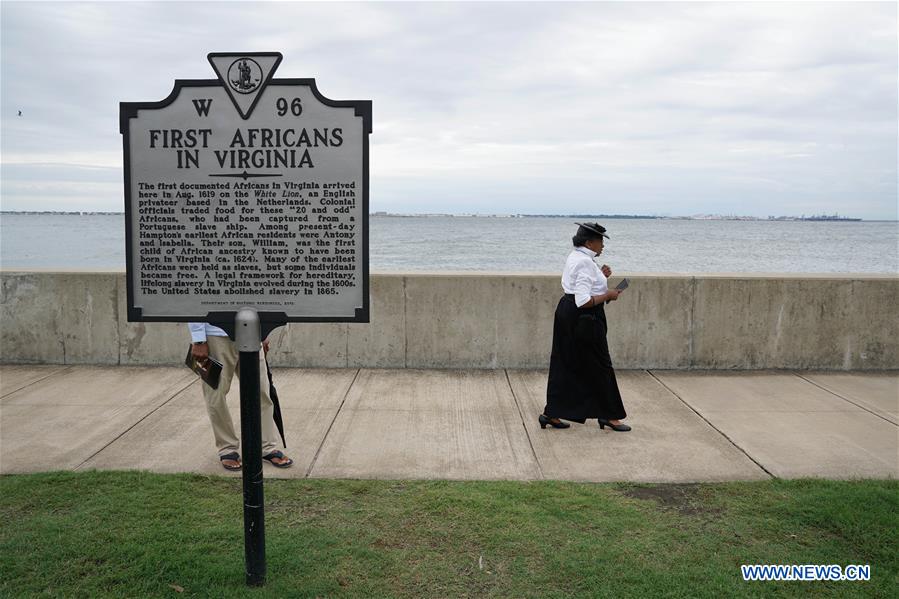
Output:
[[591, 230]]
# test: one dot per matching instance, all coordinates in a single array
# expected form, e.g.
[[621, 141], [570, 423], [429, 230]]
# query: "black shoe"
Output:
[[558, 424], [622, 428]]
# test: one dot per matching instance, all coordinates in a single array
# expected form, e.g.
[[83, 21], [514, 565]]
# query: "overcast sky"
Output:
[[641, 108]]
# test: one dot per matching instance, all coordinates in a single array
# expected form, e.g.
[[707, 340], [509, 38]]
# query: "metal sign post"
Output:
[[246, 206], [247, 335]]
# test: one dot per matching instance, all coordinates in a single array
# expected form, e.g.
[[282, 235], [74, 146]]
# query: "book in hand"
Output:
[[621, 286], [210, 370]]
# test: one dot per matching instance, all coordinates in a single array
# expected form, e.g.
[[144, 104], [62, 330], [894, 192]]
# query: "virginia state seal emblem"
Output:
[[244, 75]]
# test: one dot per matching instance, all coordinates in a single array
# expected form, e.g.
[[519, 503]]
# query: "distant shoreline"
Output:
[[713, 217]]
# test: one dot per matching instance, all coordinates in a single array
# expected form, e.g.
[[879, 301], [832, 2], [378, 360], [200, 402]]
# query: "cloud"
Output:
[[667, 107]]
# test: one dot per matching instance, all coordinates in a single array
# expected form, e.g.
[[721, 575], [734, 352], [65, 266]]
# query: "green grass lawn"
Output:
[[131, 534]]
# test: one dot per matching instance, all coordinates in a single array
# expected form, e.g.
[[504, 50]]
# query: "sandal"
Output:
[[277, 455], [233, 457]]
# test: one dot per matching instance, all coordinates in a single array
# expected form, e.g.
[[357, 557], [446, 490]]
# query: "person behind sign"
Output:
[[582, 381], [208, 340]]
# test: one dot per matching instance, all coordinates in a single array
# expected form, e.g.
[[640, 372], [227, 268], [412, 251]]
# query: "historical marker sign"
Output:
[[246, 191]]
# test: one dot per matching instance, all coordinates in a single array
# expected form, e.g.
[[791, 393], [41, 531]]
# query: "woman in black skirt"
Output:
[[582, 381]]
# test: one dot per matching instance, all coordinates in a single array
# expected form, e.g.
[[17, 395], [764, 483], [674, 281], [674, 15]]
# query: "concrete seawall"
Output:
[[467, 320]]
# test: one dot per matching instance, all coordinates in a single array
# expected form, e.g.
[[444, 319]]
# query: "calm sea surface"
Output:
[[438, 243]]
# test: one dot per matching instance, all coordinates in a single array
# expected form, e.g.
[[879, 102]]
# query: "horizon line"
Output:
[[382, 213]]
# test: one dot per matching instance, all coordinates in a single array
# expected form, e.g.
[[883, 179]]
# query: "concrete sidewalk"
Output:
[[463, 424]]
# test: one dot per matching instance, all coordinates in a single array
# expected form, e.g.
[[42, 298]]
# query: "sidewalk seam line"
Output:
[[64, 368], [844, 398], [523, 425], [330, 426], [141, 419], [743, 451]]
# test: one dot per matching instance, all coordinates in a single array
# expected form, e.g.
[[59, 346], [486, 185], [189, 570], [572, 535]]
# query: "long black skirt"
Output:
[[582, 381]]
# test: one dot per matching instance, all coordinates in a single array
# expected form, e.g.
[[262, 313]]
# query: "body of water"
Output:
[[444, 243]]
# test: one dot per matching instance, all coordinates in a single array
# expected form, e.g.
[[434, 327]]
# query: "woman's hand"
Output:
[[606, 270], [612, 294]]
